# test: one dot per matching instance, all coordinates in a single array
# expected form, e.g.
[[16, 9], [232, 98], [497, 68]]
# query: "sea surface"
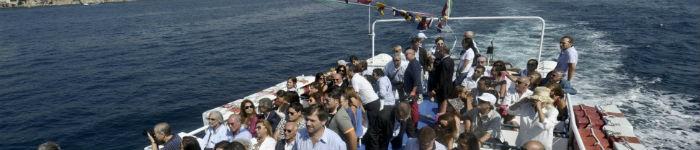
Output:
[[93, 77]]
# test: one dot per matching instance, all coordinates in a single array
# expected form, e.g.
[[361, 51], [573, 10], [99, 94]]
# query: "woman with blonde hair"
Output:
[[264, 139]]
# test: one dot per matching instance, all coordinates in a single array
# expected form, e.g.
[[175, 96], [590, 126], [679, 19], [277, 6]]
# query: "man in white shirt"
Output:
[[395, 71], [372, 105], [471, 82], [480, 61], [568, 57], [216, 131], [538, 117], [514, 95]]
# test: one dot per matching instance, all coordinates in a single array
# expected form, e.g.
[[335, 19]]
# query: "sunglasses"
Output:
[[211, 119], [287, 130], [247, 107], [231, 124]]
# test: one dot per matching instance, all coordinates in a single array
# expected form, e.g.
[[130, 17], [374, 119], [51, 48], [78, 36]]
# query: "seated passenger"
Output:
[[216, 132], [500, 76], [221, 145], [264, 139], [555, 77], [339, 80], [189, 143], [531, 68], [471, 82], [468, 141], [294, 116], [267, 113], [249, 117], [513, 96], [486, 122], [448, 126], [50, 145], [425, 141], [236, 130], [292, 84], [286, 142], [537, 118], [163, 136], [533, 145], [480, 61]]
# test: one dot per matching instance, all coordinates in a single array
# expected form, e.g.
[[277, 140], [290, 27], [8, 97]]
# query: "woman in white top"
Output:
[[538, 117], [264, 139]]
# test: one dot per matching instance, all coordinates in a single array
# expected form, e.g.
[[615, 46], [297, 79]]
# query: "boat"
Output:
[[589, 127]]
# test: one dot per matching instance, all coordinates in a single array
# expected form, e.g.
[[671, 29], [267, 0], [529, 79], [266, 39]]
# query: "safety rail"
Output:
[[572, 124], [539, 55]]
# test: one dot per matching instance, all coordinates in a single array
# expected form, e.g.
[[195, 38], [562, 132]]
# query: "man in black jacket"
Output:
[[440, 83]]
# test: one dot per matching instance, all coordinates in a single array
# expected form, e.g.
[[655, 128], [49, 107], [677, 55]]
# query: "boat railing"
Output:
[[539, 55], [572, 124]]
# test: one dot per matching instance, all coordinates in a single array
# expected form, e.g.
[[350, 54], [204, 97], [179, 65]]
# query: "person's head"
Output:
[[221, 145], [478, 72], [484, 83], [236, 145], [426, 138], [361, 66], [403, 111], [463, 93], [522, 84], [341, 70], [556, 93], [290, 130], [534, 79], [481, 61], [354, 60], [320, 78], [350, 95], [542, 94], [294, 112], [279, 99], [416, 43], [315, 98], [161, 132], [467, 43], [533, 145], [410, 54], [377, 73], [291, 82], [468, 141], [292, 97], [532, 65], [234, 122], [316, 117], [486, 103], [265, 105], [397, 60], [263, 128], [333, 100], [189, 143], [469, 34], [440, 42], [50, 145], [498, 67], [566, 42], [248, 109], [338, 79], [397, 49], [215, 118], [556, 76]]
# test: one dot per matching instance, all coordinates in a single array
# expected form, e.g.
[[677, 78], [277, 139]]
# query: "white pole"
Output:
[[369, 28]]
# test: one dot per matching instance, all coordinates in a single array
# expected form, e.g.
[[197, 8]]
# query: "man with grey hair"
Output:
[[265, 108], [216, 132], [163, 136], [50, 145], [395, 71], [236, 130]]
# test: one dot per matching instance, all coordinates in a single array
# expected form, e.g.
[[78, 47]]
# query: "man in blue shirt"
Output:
[[162, 135], [316, 136], [412, 76]]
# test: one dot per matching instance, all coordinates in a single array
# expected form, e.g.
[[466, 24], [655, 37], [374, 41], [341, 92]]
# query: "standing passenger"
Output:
[[568, 57]]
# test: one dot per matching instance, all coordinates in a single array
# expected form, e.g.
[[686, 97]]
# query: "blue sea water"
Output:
[[93, 77]]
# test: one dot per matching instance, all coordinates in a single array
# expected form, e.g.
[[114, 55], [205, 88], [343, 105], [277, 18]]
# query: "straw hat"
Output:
[[542, 94]]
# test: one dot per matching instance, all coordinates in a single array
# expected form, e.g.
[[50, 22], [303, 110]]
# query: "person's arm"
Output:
[[571, 71], [154, 146], [352, 139]]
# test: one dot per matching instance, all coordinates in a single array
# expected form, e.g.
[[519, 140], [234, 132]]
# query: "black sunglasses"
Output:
[[247, 107]]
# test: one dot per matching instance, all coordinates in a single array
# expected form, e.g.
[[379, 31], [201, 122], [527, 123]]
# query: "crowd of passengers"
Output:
[[352, 107]]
